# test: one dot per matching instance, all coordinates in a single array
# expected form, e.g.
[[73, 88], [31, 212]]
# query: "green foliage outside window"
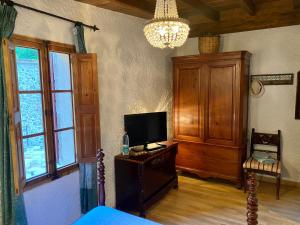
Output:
[[27, 54]]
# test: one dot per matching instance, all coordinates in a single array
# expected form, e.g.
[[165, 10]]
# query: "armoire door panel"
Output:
[[188, 110], [215, 144], [220, 122]]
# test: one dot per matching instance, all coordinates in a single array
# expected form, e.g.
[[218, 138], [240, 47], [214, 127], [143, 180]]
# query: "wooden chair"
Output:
[[252, 165]]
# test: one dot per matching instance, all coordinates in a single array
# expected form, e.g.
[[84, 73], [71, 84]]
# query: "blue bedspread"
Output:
[[103, 215]]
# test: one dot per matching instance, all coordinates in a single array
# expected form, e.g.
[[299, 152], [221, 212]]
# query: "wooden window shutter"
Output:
[[14, 114], [86, 104]]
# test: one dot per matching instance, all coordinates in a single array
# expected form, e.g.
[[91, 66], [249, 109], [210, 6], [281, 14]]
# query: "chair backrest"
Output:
[[266, 139]]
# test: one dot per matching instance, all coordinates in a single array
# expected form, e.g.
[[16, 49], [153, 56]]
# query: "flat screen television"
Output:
[[146, 128]]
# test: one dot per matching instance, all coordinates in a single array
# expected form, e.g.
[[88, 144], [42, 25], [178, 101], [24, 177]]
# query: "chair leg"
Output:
[[245, 181], [278, 179]]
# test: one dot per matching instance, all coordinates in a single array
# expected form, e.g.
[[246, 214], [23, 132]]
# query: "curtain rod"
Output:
[[11, 3]]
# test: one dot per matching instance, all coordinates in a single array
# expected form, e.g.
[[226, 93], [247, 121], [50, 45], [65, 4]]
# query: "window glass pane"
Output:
[[31, 114], [28, 69], [65, 149], [34, 156], [63, 112], [60, 71]]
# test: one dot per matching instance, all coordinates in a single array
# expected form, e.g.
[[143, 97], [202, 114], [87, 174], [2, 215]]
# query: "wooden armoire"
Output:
[[210, 113]]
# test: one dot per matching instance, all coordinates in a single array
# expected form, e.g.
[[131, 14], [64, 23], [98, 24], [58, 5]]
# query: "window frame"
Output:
[[45, 47]]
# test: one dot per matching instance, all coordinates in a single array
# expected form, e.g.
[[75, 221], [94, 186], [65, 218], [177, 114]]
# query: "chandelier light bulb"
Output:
[[166, 29]]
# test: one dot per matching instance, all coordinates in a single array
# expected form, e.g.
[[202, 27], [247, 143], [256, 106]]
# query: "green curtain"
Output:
[[88, 171], [12, 206], [88, 186], [79, 38]]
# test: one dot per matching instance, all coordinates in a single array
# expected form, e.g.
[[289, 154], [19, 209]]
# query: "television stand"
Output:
[[141, 181]]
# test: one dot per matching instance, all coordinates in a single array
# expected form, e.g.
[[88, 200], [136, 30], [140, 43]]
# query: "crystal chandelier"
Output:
[[166, 29]]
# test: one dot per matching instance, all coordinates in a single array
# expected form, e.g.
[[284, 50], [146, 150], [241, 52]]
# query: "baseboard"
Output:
[[270, 179]]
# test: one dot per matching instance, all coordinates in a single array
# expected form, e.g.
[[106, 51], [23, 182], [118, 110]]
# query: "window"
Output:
[[44, 86], [62, 104], [53, 103], [31, 107]]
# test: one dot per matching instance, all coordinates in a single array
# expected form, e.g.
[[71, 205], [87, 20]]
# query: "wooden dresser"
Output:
[[140, 181], [210, 113]]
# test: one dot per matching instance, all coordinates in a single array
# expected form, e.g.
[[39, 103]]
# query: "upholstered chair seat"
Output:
[[253, 164]]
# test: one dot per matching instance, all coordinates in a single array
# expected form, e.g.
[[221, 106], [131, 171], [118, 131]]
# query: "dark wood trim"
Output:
[[101, 177], [252, 202], [140, 8], [212, 57], [61, 91], [29, 92], [235, 15], [297, 110], [60, 47], [24, 41], [86, 105], [67, 169], [248, 6], [48, 111], [64, 129], [36, 180], [66, 49], [203, 9], [34, 43], [33, 135], [267, 16], [296, 4], [47, 178], [9, 60], [21, 40]]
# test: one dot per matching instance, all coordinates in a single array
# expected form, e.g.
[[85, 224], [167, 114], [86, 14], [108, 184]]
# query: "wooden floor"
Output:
[[216, 203]]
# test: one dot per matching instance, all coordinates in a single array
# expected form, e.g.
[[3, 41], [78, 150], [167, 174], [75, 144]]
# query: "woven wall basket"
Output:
[[209, 44]]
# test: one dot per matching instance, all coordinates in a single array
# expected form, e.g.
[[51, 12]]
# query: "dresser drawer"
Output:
[[158, 172], [209, 160]]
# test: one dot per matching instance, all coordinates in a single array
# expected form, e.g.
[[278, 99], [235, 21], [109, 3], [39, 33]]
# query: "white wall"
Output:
[[57, 202], [133, 77], [274, 51]]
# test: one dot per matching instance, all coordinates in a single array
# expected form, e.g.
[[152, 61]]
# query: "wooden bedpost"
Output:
[[252, 202], [100, 177]]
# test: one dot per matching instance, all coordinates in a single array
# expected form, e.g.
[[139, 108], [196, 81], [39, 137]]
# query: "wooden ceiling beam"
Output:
[[296, 4], [248, 6], [132, 7], [233, 19], [239, 25], [142, 5], [204, 9]]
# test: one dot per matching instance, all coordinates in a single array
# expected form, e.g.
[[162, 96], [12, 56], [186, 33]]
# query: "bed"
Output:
[[103, 215]]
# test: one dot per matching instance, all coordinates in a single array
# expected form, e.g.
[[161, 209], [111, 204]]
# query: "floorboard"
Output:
[[199, 202]]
